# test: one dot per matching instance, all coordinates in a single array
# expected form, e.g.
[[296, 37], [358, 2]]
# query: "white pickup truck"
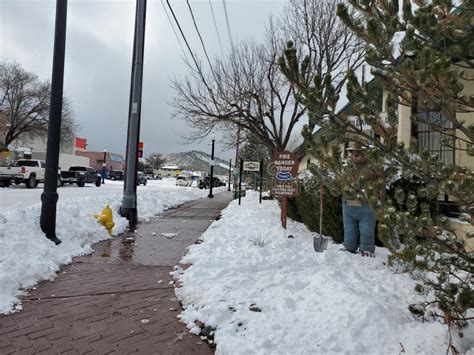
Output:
[[27, 171]]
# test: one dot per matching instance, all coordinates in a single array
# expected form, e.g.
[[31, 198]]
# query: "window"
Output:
[[31, 163], [434, 134]]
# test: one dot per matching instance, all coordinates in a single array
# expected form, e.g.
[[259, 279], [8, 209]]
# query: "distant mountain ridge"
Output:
[[196, 161]]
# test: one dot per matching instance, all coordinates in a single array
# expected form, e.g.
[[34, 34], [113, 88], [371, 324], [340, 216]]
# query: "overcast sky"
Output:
[[99, 55]]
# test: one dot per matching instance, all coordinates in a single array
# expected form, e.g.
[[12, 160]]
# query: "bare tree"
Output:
[[245, 89], [317, 31], [331, 49], [155, 160], [25, 101]]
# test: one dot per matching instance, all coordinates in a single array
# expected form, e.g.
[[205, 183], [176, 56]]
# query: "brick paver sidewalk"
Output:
[[120, 298]]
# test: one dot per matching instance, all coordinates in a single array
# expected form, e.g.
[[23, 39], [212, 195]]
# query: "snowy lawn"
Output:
[[302, 302], [27, 257]]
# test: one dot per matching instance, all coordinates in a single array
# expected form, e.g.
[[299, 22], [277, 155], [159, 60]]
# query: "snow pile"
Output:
[[27, 257], [266, 293]]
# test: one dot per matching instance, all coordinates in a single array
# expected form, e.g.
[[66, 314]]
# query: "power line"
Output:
[[228, 26], [184, 38], [199, 34], [215, 25], [176, 34], [189, 48]]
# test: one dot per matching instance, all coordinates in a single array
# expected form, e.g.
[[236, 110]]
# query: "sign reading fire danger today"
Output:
[[284, 168]]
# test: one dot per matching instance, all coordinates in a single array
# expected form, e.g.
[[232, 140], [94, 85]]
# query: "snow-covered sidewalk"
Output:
[[267, 293], [27, 257]]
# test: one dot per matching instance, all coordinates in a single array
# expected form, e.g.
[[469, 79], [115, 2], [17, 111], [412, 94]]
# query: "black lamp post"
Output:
[[230, 172], [212, 171], [104, 165], [49, 197]]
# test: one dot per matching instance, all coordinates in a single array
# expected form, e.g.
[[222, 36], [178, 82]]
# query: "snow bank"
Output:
[[311, 303], [27, 257]]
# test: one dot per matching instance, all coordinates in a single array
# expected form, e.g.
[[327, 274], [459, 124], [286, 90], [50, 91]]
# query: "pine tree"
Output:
[[427, 71]]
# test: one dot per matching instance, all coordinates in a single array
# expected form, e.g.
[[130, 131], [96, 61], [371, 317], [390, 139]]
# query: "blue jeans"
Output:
[[358, 220]]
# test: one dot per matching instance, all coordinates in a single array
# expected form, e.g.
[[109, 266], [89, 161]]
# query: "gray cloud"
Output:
[[99, 54]]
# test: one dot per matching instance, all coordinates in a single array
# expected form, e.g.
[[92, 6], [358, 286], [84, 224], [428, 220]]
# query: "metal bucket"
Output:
[[320, 244]]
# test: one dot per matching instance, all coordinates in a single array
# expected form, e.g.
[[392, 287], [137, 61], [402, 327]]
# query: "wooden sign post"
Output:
[[284, 168]]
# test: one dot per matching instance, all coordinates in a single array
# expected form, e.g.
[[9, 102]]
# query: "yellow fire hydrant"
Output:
[[106, 219]]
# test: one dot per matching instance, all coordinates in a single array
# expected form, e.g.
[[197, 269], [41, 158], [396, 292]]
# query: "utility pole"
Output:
[[212, 171], [49, 197], [129, 201]]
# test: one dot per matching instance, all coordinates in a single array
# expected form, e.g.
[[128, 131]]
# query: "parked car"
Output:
[[219, 182], [141, 178], [205, 182], [182, 180], [116, 175], [149, 174], [24, 171], [81, 175]]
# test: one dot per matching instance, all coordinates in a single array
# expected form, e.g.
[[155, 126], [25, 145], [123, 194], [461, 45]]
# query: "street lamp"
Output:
[[104, 165], [230, 172], [212, 170], [49, 197]]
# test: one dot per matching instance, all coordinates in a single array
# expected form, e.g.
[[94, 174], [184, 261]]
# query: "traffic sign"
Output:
[[140, 149]]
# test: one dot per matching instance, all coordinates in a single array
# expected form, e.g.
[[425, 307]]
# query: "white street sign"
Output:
[[251, 165]]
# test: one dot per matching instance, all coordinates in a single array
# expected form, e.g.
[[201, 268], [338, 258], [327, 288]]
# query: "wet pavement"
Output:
[[119, 299]]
